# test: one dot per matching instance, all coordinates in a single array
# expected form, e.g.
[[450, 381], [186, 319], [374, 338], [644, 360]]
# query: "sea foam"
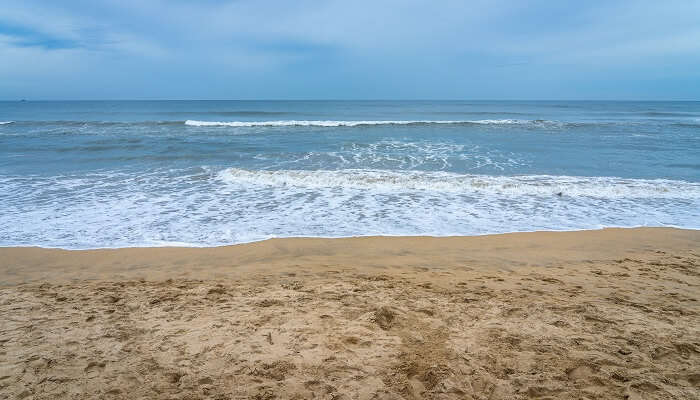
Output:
[[210, 207], [445, 182], [366, 123]]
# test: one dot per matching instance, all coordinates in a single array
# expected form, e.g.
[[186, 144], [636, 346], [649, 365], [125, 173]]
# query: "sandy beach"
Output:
[[606, 314]]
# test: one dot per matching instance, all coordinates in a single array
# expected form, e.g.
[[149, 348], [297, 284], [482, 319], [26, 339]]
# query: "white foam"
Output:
[[210, 206], [362, 123], [6, 122], [398, 155], [444, 182]]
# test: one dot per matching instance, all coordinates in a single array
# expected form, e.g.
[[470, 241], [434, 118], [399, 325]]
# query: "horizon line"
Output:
[[21, 100]]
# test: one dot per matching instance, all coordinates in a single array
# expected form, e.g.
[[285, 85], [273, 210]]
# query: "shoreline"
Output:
[[607, 314], [506, 250], [179, 245]]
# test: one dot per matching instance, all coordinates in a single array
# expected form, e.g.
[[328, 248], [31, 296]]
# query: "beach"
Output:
[[335, 200], [602, 314]]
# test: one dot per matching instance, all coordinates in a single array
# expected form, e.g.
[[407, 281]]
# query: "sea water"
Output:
[[91, 174]]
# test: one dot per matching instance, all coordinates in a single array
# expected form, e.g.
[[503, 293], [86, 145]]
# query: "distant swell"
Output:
[[241, 113], [668, 114], [369, 123], [523, 123], [87, 123]]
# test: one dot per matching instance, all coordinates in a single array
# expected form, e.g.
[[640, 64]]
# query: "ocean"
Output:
[[95, 174]]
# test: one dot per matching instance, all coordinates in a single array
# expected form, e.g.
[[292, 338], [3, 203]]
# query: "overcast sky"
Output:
[[359, 49]]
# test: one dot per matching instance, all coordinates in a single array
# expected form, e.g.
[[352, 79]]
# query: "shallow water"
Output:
[[203, 173]]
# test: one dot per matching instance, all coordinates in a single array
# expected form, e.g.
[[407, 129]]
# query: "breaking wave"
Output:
[[207, 206], [445, 182], [371, 123]]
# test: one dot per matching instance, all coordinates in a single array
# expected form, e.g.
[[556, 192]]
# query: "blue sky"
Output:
[[360, 49]]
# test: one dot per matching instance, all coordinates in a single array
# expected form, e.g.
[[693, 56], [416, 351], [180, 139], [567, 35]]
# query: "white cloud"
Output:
[[388, 44]]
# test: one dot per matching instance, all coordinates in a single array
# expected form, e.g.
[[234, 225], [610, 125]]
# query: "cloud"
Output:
[[341, 49]]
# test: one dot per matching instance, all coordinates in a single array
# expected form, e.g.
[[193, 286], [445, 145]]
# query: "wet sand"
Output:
[[591, 315]]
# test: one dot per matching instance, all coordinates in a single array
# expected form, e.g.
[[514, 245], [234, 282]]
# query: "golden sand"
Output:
[[575, 315]]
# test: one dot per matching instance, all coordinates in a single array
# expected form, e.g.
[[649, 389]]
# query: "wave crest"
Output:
[[370, 123]]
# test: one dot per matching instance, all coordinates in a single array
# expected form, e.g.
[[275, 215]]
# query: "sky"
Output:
[[359, 49]]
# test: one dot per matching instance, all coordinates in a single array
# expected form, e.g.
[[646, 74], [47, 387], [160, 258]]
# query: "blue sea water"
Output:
[[94, 174]]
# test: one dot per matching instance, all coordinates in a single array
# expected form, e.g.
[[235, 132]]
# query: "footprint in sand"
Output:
[[94, 368], [580, 372]]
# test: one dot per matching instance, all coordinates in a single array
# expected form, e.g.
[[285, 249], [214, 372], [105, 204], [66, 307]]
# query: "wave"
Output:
[[207, 206], [371, 123], [242, 113], [687, 124], [398, 155], [478, 113], [526, 123], [668, 114], [71, 123], [525, 185]]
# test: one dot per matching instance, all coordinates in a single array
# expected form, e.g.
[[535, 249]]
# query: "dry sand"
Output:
[[598, 314]]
